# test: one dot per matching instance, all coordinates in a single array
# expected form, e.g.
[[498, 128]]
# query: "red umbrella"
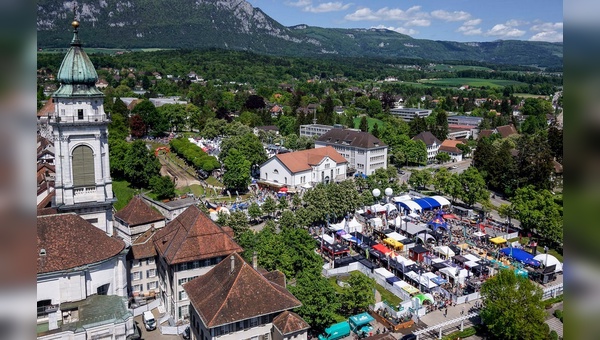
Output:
[[284, 189]]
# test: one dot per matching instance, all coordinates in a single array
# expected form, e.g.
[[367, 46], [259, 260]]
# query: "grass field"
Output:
[[473, 82], [529, 95], [371, 122], [124, 193], [444, 67]]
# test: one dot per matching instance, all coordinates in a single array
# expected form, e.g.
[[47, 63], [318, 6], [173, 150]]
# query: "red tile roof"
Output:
[[289, 322], [428, 138], [193, 236], [485, 133], [70, 241], [449, 145], [506, 130], [225, 295], [47, 109], [304, 160], [137, 212], [143, 247]]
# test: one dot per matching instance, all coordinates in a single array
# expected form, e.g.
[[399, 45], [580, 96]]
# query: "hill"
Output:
[[235, 24]]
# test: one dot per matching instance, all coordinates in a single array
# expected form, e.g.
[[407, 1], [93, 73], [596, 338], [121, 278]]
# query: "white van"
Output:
[[149, 321]]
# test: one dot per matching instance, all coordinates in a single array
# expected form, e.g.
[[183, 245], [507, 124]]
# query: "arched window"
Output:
[[83, 167]]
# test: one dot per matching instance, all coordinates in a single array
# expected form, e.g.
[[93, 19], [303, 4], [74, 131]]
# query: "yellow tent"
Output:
[[393, 244], [497, 240]]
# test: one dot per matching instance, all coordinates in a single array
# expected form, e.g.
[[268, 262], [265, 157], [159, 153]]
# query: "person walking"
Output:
[[462, 311]]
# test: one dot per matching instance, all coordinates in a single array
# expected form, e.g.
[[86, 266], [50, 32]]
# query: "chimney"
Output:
[[254, 261], [232, 263]]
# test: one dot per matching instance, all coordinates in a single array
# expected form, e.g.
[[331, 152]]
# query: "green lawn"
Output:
[[386, 295], [444, 67], [529, 95], [123, 192], [213, 181], [370, 121], [473, 82]]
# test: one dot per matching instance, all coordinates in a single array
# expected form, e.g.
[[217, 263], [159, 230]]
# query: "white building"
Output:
[[81, 281], [294, 169], [318, 130], [188, 247], [365, 153], [408, 114], [80, 133], [450, 147], [170, 209], [472, 121], [141, 263], [223, 307], [431, 142]]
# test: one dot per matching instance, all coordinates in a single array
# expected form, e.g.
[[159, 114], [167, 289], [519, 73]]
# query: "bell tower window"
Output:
[[80, 114], [83, 167]]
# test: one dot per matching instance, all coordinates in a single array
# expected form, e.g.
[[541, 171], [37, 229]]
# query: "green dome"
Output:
[[77, 75]]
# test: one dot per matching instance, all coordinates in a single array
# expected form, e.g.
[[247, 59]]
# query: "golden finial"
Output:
[[75, 24]]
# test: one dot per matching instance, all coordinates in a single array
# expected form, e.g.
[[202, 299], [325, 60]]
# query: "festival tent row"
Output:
[[521, 256], [420, 204], [352, 226]]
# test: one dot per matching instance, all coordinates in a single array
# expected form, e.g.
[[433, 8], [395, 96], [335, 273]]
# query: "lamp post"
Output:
[[546, 251]]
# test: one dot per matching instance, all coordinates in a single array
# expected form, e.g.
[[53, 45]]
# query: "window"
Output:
[[276, 172], [136, 288], [103, 290], [151, 273], [136, 263], [285, 179], [136, 276], [92, 220], [183, 295], [83, 166], [152, 285], [150, 260], [80, 114]]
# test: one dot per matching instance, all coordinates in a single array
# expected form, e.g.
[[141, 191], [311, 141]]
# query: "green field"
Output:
[[123, 192], [444, 67], [473, 82], [371, 122], [529, 95]]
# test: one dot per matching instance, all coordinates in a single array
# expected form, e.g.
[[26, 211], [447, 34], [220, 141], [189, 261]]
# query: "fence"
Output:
[[172, 330], [141, 309], [466, 298], [552, 291]]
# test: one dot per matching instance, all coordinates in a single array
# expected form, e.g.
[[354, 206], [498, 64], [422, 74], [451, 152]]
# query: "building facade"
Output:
[[408, 114], [135, 219], [465, 120], [80, 133], [364, 152], [143, 273], [322, 165], [310, 130], [431, 143]]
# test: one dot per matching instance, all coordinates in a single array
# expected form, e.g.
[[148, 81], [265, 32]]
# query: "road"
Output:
[[182, 177]]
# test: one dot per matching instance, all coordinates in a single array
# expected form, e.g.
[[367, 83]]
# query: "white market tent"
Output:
[[396, 221], [452, 272], [444, 250], [354, 225], [425, 238], [471, 264], [390, 207], [306, 185], [394, 235], [376, 222], [441, 200], [402, 198], [413, 215], [410, 205], [383, 273], [337, 226], [478, 234], [328, 239], [551, 261], [424, 280], [377, 208], [472, 257], [413, 229]]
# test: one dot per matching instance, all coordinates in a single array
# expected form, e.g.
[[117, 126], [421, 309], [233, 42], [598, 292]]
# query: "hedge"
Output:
[[194, 155], [467, 332]]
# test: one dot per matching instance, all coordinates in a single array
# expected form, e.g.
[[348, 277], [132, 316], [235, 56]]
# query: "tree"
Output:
[[238, 222], [318, 297], [140, 165], [153, 120], [287, 219], [364, 124], [534, 161], [117, 150], [282, 204], [237, 171], [137, 126], [163, 187], [420, 178], [453, 187], [286, 125], [555, 142], [538, 211], [375, 132], [442, 157], [254, 211], [248, 145], [512, 307], [473, 187], [441, 179], [359, 295], [174, 114], [269, 206]]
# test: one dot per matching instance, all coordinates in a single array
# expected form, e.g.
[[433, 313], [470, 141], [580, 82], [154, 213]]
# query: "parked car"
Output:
[[149, 321], [186, 333], [410, 336]]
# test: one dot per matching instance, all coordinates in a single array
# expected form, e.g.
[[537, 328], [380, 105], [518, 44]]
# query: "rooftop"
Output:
[[354, 138], [290, 322], [304, 160], [427, 137], [143, 247], [137, 212]]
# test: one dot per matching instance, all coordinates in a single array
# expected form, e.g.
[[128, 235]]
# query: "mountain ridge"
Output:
[[237, 25]]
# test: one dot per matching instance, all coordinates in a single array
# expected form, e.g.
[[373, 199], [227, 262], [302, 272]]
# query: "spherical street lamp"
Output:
[[376, 193], [389, 192]]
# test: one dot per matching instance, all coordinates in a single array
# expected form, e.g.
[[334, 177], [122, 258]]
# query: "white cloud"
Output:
[[469, 30], [418, 22], [550, 36], [403, 30], [515, 23], [386, 14], [327, 7], [505, 31], [299, 3], [451, 16], [472, 22], [547, 26]]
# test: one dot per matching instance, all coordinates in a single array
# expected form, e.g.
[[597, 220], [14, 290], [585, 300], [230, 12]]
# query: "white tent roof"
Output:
[[413, 215], [390, 207], [347, 236], [451, 271], [471, 264], [377, 208], [383, 272], [430, 275], [328, 239], [396, 236], [551, 261], [401, 283], [412, 205], [412, 228], [444, 250], [472, 257], [478, 234], [401, 259], [306, 185], [377, 222], [424, 280], [441, 200], [396, 221], [427, 237], [402, 198], [354, 225], [338, 226]]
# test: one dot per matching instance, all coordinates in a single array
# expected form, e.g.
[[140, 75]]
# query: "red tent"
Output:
[[450, 216], [284, 189], [380, 247]]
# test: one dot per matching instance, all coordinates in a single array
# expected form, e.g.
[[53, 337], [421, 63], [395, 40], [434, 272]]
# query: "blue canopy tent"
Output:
[[427, 203], [360, 174], [521, 256], [438, 222], [409, 206], [392, 279]]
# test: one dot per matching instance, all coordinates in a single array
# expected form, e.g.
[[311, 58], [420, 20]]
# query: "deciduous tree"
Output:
[[237, 171], [163, 187], [473, 187]]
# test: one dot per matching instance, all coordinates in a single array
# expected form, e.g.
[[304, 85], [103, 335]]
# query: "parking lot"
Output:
[[155, 334]]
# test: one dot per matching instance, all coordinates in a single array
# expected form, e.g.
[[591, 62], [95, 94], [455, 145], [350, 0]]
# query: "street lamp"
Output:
[[376, 193], [388, 192]]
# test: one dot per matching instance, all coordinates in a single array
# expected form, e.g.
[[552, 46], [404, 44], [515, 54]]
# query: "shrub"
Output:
[[559, 314], [553, 335]]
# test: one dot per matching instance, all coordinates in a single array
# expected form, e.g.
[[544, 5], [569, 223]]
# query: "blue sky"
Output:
[[453, 20]]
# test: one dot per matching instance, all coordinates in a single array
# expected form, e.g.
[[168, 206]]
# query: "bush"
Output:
[[559, 314], [467, 332], [553, 335], [194, 155]]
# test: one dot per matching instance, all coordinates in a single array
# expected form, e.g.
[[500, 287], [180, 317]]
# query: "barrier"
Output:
[[552, 291], [444, 324], [150, 306], [172, 330]]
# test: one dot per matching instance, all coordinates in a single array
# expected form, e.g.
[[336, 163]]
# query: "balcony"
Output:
[[87, 119], [84, 191]]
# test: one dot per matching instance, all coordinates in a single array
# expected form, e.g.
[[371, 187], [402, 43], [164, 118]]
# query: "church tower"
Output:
[[80, 133]]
